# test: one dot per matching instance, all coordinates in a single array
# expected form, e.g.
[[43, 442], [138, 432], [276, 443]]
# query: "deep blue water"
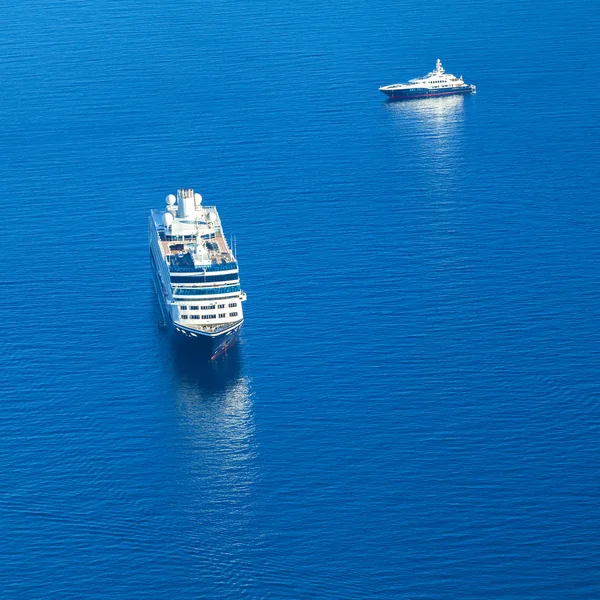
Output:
[[413, 410]]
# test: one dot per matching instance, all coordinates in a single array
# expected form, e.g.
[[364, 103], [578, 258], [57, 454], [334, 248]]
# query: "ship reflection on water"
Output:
[[217, 449], [207, 377], [213, 400], [213, 404]]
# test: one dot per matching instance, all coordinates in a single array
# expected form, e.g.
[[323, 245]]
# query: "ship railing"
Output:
[[213, 328], [206, 291]]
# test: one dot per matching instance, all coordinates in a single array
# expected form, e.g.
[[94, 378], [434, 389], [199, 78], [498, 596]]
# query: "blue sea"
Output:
[[413, 409]]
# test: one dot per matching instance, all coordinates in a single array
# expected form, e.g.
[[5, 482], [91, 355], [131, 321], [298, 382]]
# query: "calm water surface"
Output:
[[413, 409]]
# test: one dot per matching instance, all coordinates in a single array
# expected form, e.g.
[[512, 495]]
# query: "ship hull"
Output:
[[423, 93], [210, 346]]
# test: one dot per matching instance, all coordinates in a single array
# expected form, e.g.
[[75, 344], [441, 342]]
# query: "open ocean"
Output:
[[413, 410]]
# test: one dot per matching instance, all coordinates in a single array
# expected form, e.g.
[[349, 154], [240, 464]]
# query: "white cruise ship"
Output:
[[195, 273], [435, 83]]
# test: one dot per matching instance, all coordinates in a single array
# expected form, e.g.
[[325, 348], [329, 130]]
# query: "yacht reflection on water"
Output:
[[433, 111], [432, 129], [431, 139]]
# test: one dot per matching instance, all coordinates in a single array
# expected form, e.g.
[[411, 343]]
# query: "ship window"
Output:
[[195, 316], [209, 316], [221, 306], [183, 307], [184, 316], [233, 314], [208, 278], [232, 304], [193, 308], [222, 316], [211, 307]]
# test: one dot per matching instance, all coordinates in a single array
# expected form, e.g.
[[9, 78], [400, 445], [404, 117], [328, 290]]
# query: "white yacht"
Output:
[[195, 273], [436, 83]]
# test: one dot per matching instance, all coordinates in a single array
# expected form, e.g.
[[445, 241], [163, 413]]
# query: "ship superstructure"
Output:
[[435, 83], [195, 272]]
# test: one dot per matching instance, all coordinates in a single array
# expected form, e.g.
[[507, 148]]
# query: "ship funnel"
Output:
[[185, 203]]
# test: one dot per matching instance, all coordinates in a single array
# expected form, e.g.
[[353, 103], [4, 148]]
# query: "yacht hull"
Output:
[[423, 93]]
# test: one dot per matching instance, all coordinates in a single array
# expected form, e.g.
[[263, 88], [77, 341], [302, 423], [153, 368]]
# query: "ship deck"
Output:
[[217, 248]]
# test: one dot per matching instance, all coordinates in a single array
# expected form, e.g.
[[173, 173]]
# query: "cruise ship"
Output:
[[436, 83], [195, 273]]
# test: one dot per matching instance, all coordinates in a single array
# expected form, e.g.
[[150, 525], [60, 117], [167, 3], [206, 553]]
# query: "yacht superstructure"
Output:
[[195, 272], [435, 83]]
